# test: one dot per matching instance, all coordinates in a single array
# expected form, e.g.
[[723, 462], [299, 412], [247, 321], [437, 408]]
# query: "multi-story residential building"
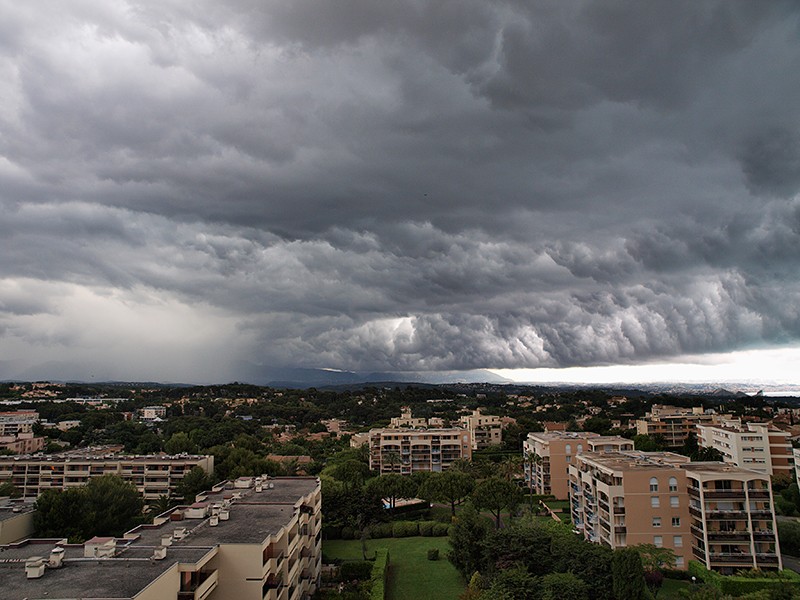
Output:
[[716, 513], [258, 539], [153, 475], [408, 451], [547, 456], [405, 420], [796, 455], [674, 424], [754, 446], [153, 413], [16, 520], [485, 430], [16, 432]]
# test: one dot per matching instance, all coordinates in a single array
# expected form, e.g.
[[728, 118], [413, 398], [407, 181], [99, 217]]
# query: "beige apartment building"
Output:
[[718, 514], [484, 430], [153, 475], [673, 423], [796, 455], [257, 539], [756, 446], [407, 451], [16, 432], [407, 421], [547, 456]]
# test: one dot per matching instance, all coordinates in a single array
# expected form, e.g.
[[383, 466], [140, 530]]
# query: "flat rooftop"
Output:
[[252, 519], [563, 435], [92, 455], [637, 461]]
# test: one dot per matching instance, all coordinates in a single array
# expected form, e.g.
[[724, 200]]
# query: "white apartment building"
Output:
[[407, 421], [254, 540], [485, 430], [754, 446], [153, 475]]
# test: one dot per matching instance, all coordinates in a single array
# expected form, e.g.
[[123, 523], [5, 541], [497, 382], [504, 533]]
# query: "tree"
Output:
[[180, 443], [655, 558], [563, 586], [451, 487], [495, 494], [8, 489], [194, 482], [107, 506], [392, 487], [628, 574], [515, 584], [468, 531]]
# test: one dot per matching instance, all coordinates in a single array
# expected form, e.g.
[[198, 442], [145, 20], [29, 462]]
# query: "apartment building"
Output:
[[756, 446], [673, 423], [16, 432], [257, 539], [407, 451], [796, 455], [547, 456], [407, 421], [484, 430], [153, 475], [716, 513]]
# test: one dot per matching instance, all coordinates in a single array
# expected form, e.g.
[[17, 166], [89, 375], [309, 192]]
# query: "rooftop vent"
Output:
[[34, 567], [166, 540], [98, 547], [179, 533], [224, 514], [56, 558], [160, 553], [213, 521]]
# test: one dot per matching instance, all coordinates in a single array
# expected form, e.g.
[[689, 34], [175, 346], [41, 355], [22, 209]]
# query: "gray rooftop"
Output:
[[253, 517]]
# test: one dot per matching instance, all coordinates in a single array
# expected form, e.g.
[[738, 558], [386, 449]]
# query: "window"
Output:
[[673, 501], [656, 521], [580, 448], [676, 521], [673, 484], [568, 449], [678, 562], [653, 484], [677, 541], [654, 501], [658, 541]]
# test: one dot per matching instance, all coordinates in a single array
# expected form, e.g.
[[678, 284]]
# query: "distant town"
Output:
[[239, 491]]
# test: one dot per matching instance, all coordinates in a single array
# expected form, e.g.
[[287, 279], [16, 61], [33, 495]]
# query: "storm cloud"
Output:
[[394, 186]]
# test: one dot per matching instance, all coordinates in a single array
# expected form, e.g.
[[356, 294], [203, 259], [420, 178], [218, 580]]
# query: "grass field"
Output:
[[411, 575]]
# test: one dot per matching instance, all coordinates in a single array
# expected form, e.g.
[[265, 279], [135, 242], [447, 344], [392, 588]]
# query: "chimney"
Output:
[[34, 567], [56, 558]]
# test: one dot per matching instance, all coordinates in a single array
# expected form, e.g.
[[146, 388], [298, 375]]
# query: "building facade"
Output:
[[718, 514], [674, 424], [254, 540], [547, 456], [16, 432], [153, 475], [755, 446], [484, 430], [407, 451]]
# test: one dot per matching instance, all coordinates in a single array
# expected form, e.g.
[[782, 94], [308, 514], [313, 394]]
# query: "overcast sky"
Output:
[[191, 187]]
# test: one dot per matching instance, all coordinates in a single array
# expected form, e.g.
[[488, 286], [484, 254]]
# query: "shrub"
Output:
[[379, 573], [440, 530], [348, 533], [381, 530], [331, 532], [426, 528], [433, 554], [356, 569], [405, 529]]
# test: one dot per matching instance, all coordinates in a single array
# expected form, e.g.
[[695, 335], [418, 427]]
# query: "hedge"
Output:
[[405, 529], [737, 585], [380, 572], [396, 529], [356, 569]]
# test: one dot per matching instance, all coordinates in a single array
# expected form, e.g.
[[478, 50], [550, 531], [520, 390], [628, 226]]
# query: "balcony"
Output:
[[619, 510], [758, 493], [736, 494], [200, 587], [731, 558]]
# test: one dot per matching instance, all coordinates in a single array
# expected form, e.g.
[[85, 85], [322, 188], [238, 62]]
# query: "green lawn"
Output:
[[411, 575]]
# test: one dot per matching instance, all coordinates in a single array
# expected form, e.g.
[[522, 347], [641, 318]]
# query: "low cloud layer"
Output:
[[395, 186]]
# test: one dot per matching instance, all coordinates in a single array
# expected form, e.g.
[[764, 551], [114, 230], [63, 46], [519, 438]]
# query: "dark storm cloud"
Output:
[[398, 185]]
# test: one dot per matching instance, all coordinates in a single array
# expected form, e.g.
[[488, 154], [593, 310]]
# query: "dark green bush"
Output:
[[348, 533], [380, 571], [381, 530], [405, 529], [426, 528], [356, 569], [331, 532], [440, 530], [433, 554]]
